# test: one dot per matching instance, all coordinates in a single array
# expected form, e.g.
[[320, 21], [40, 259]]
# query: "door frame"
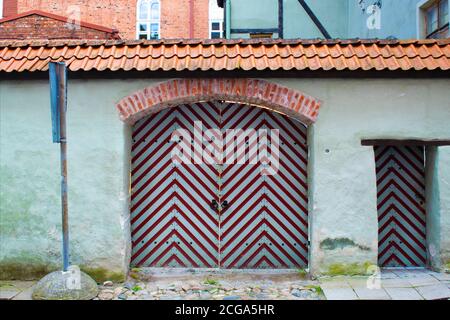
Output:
[[261, 93], [433, 227]]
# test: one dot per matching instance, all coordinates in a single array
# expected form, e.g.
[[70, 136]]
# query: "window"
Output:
[[216, 29], [215, 20], [1, 9], [148, 19], [436, 17]]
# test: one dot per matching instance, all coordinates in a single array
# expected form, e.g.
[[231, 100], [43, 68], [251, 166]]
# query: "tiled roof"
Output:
[[222, 55]]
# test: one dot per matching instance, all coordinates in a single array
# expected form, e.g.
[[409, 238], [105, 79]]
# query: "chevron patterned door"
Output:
[[226, 215], [172, 221], [401, 206], [265, 222]]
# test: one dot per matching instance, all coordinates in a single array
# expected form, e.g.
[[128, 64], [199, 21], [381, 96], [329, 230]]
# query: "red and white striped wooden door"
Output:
[[265, 224], [401, 206], [172, 220]]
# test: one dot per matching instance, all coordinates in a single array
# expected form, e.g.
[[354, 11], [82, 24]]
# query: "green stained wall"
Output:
[[264, 14], [30, 215], [443, 178], [331, 13], [342, 183], [342, 174], [399, 19], [341, 18], [297, 24]]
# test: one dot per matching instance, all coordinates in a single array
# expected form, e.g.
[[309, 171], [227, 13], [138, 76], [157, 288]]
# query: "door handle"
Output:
[[225, 205], [214, 205]]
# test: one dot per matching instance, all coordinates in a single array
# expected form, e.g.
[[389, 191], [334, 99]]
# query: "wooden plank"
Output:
[[407, 142]]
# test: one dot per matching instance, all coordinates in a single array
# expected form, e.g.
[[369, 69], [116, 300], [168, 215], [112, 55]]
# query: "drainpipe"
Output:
[[191, 19], [228, 19]]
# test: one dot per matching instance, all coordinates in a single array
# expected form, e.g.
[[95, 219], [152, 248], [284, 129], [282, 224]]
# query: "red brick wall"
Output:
[[201, 14], [121, 15], [34, 27], [175, 19], [9, 8], [117, 14], [252, 91]]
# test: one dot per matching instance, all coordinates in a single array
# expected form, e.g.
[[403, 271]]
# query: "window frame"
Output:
[[436, 4], [221, 28], [148, 22]]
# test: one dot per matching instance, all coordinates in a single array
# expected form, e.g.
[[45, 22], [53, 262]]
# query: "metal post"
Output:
[[63, 285], [228, 19], [61, 71]]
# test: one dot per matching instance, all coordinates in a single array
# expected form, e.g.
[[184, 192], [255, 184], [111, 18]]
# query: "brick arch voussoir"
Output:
[[262, 93]]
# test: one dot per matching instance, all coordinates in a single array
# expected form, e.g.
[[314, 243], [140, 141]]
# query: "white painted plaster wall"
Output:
[[342, 172], [343, 180], [444, 203]]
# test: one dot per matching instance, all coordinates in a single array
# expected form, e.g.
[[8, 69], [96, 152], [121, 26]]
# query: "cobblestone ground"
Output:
[[166, 284], [146, 285]]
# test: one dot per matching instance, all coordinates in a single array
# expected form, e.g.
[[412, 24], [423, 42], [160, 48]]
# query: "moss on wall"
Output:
[[352, 269], [340, 243], [101, 274], [447, 267], [19, 269]]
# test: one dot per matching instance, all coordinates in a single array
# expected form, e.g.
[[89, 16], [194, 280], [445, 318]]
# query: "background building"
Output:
[[343, 19], [133, 19], [288, 19]]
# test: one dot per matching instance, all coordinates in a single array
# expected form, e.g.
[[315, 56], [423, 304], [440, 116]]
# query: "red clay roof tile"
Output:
[[252, 54]]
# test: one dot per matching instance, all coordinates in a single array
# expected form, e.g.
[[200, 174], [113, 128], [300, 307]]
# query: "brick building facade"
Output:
[[184, 19], [177, 19], [35, 24], [9, 7]]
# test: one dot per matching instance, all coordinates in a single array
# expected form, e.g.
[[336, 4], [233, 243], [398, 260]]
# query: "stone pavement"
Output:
[[16, 290], [173, 284], [392, 284]]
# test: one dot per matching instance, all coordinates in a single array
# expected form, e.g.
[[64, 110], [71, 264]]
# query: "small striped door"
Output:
[[265, 224], [172, 221], [401, 206]]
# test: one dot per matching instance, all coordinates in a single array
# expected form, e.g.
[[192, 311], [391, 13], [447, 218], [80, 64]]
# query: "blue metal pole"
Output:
[[58, 94], [228, 19], [62, 88]]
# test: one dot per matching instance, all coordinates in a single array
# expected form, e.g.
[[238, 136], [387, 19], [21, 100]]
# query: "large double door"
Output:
[[219, 185]]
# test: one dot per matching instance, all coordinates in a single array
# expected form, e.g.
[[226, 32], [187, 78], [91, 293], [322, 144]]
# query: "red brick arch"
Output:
[[261, 93]]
